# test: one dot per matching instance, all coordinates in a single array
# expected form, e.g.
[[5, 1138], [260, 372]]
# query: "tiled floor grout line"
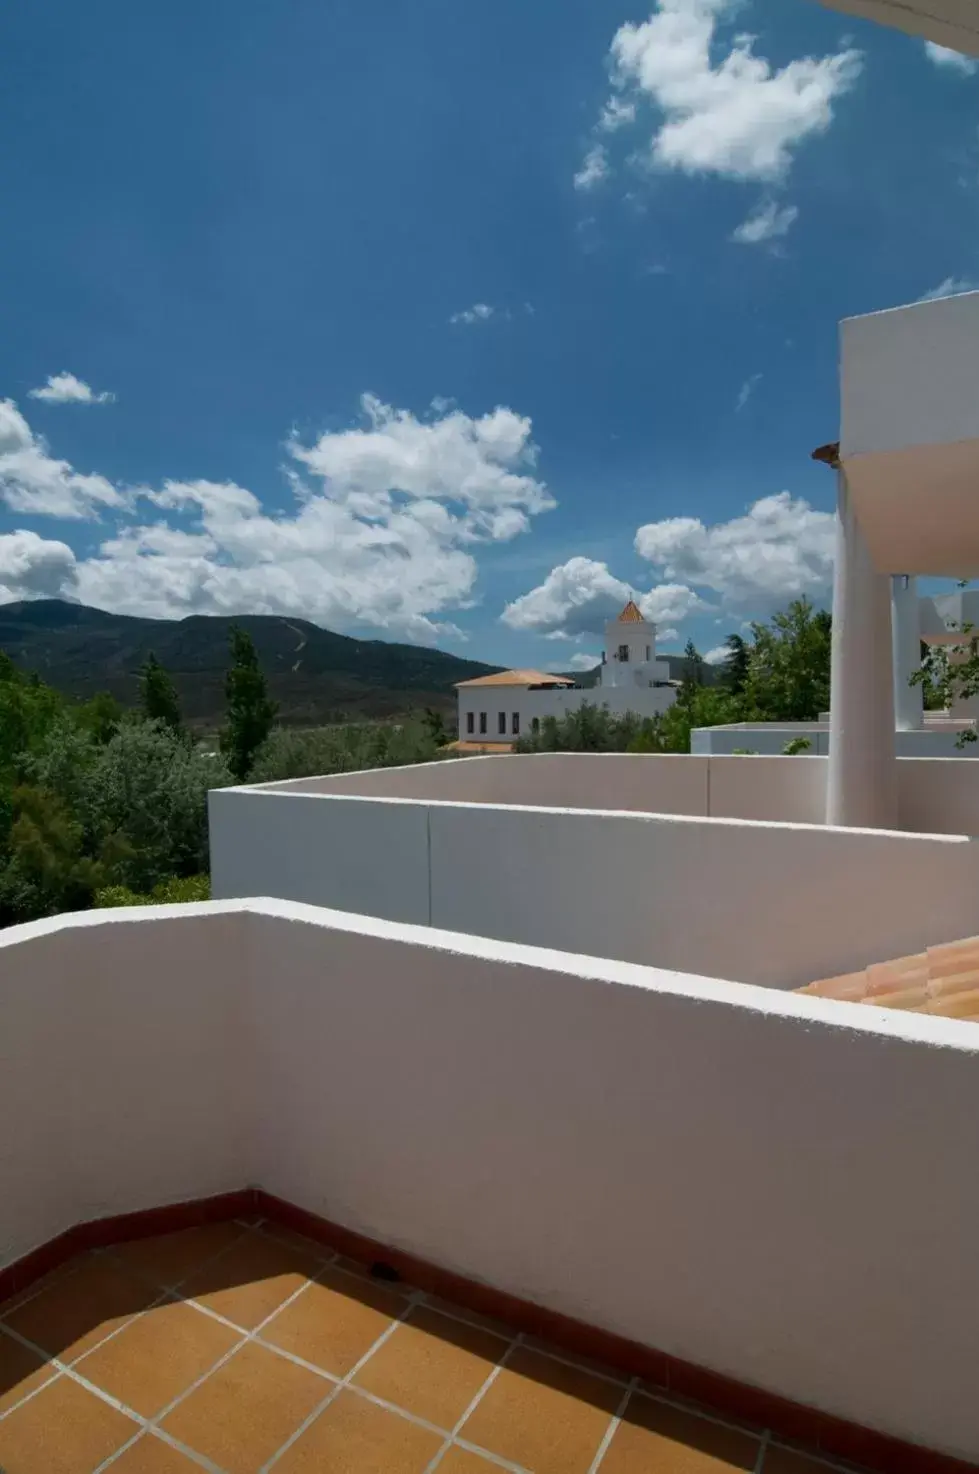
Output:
[[165, 1292], [612, 1428], [246, 1336], [412, 1300], [149, 1427], [762, 1452], [474, 1403]]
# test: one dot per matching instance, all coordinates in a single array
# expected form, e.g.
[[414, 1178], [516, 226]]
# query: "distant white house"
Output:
[[495, 711]]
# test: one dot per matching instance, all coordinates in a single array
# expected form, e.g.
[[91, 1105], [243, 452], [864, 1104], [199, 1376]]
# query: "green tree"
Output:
[[789, 665], [158, 695], [100, 716], [143, 805], [45, 869], [736, 664], [250, 712]]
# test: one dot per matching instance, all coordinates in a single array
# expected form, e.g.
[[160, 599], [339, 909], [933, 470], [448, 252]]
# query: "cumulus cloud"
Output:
[[768, 221], [779, 550], [594, 168], [727, 112], [581, 660], [717, 656], [478, 312], [579, 598], [388, 517], [951, 61], [33, 567], [950, 287], [33, 481], [66, 389]]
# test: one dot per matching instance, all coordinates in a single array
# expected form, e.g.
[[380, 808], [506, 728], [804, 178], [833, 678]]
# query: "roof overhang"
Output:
[[953, 23]]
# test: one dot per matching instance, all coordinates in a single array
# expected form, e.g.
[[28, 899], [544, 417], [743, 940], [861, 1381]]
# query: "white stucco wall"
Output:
[[644, 701], [769, 739], [776, 904], [777, 1188]]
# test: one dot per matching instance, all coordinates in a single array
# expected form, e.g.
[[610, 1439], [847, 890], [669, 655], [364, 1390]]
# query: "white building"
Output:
[[495, 711]]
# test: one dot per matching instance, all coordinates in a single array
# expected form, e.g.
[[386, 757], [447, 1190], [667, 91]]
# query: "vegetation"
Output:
[[317, 677], [780, 674], [250, 712], [950, 673], [104, 807]]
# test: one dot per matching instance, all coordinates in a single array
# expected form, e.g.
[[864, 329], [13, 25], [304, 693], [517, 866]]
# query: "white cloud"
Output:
[[616, 113], [768, 221], [734, 114], [747, 389], [33, 567], [581, 660], [387, 520], [66, 389], [951, 61], [717, 656], [579, 597], [780, 549], [34, 482], [594, 168], [950, 287], [478, 312]]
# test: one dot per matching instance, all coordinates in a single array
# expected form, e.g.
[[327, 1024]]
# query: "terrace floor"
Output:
[[239, 1347]]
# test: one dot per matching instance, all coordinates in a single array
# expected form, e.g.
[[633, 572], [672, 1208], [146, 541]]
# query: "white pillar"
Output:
[[906, 621], [862, 788]]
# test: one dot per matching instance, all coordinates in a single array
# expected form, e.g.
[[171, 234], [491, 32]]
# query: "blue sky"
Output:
[[377, 315]]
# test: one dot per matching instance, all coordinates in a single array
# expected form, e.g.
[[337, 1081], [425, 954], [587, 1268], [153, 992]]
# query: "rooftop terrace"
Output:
[[241, 1346]]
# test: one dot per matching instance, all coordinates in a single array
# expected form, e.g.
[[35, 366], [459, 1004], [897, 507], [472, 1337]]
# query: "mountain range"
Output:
[[316, 676]]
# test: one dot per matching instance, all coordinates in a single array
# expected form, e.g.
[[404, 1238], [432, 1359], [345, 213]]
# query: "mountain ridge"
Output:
[[316, 675]]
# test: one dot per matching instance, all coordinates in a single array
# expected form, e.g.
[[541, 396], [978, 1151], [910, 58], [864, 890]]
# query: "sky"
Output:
[[453, 323]]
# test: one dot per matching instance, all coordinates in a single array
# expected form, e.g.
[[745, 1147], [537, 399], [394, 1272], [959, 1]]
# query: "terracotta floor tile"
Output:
[[461, 1461], [488, 1322], [63, 1430], [297, 1241], [363, 1271], [75, 1312], [335, 1321], [150, 1455], [250, 1281], [156, 1358], [534, 1343], [353, 1436], [654, 1438], [544, 1415], [247, 1409], [171, 1257], [20, 1371], [432, 1366], [786, 1461]]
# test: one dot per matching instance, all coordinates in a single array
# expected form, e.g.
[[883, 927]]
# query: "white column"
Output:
[[906, 621], [862, 788]]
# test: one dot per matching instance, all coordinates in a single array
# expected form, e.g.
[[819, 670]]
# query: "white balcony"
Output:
[[777, 1189]]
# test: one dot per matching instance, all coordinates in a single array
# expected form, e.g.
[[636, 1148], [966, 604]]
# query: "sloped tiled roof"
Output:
[[519, 678], [631, 614], [943, 981]]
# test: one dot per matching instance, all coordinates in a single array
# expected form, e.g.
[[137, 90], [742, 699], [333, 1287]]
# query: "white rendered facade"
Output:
[[498, 710]]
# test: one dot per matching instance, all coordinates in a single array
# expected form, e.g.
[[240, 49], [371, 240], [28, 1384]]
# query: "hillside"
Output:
[[315, 675]]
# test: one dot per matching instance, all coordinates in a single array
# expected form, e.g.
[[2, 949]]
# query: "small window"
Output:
[[482, 724], [535, 725], [649, 652], [470, 722], [623, 653], [515, 725], [501, 723]]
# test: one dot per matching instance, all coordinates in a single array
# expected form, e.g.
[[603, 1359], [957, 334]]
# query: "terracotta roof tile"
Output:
[[519, 678], [943, 981], [631, 614]]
